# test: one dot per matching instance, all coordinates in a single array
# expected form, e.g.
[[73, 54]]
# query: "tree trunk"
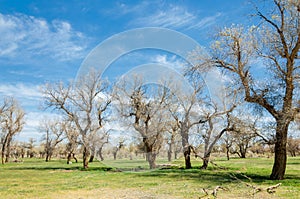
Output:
[[151, 159], [243, 151], [47, 157], [75, 158], [100, 154], [279, 165], [7, 155], [170, 149], [227, 153], [86, 155], [91, 158], [69, 158], [175, 155], [92, 155], [187, 157], [115, 155], [169, 156], [205, 161], [186, 148], [2, 154], [4, 147]]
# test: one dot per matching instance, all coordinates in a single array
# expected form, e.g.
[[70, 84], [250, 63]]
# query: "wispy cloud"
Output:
[[28, 95], [176, 17], [28, 37], [22, 90]]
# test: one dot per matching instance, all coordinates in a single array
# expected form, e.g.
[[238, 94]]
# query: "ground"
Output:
[[35, 178]]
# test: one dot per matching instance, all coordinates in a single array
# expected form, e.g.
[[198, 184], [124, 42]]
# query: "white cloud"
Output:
[[20, 90], [172, 61], [29, 37], [176, 17]]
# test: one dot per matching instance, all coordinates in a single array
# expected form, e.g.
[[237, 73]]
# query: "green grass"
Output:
[[35, 178]]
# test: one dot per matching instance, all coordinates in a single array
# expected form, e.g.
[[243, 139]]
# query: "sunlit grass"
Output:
[[35, 178]]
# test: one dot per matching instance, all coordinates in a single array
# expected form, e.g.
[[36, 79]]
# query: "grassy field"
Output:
[[35, 178]]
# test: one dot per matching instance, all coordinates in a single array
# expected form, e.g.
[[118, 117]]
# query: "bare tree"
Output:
[[12, 121], [118, 148], [275, 43], [54, 134], [212, 133], [146, 113], [83, 102], [187, 115]]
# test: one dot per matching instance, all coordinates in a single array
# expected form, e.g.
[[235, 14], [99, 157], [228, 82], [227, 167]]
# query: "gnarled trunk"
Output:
[[279, 165]]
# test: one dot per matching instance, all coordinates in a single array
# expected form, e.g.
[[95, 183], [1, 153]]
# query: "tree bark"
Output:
[[86, 155], [151, 159], [227, 153], [243, 151], [187, 157], [115, 155], [47, 157], [100, 154], [91, 158], [186, 148], [205, 161], [69, 158], [279, 165], [7, 155]]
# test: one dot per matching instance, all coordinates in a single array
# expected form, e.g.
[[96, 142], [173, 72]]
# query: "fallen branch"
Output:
[[256, 189], [271, 189], [213, 193]]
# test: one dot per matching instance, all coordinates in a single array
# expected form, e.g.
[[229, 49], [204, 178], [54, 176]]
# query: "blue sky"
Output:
[[44, 41]]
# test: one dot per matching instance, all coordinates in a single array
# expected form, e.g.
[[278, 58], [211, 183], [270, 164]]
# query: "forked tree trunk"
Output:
[[205, 161], [151, 156], [279, 165], [70, 155]]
